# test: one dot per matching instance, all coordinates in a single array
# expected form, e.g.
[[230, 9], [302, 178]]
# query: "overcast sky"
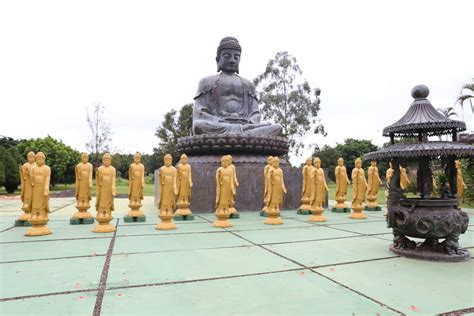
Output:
[[142, 58]]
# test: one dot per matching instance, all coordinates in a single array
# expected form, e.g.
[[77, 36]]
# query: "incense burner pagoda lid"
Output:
[[422, 117]]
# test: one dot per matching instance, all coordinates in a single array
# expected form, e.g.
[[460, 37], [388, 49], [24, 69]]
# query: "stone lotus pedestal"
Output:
[[22, 221], [166, 221], [135, 214], [358, 212], [39, 227], [305, 207], [82, 216], [104, 225], [341, 206], [222, 219], [372, 204], [317, 215], [273, 217], [183, 213]]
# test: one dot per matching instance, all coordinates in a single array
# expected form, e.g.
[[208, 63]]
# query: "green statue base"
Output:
[[19, 223], [373, 209], [134, 219], [80, 221], [234, 216], [304, 212], [263, 214], [341, 210], [183, 217]]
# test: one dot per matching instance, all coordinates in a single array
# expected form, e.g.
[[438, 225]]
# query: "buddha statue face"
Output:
[[340, 162], [458, 164], [228, 60], [168, 160], [317, 162], [276, 162], [269, 160], [308, 161], [107, 160], [31, 157], [225, 161], [40, 157], [84, 157], [184, 159], [137, 158], [373, 163], [358, 163]]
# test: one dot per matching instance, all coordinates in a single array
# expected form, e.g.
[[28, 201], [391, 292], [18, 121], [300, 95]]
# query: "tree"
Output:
[[10, 160], [59, 157], [288, 100], [467, 94], [448, 111], [172, 128], [353, 149], [100, 132]]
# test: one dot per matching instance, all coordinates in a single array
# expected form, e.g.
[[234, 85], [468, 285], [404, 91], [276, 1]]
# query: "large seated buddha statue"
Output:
[[226, 103]]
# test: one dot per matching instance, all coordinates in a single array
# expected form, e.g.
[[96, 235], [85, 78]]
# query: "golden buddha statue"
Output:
[[318, 196], [225, 192], [373, 187], [404, 180], [276, 190], [168, 189], [359, 190], [461, 186], [40, 176], [233, 212], [342, 181], [307, 177], [26, 189], [83, 173], [185, 184], [265, 184], [136, 184], [105, 193]]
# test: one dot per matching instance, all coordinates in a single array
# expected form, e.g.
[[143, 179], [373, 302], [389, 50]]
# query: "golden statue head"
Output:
[[40, 158], [317, 162], [183, 159], [373, 163], [276, 162], [309, 161], [390, 164], [340, 162], [230, 158], [106, 159], [168, 159], [225, 161], [269, 160], [84, 157], [31, 157], [137, 158], [458, 164], [358, 163]]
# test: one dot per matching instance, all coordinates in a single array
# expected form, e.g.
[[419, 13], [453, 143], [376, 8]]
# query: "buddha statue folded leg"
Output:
[[212, 127]]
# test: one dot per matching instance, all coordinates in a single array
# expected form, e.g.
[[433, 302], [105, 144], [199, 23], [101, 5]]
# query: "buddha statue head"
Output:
[[358, 163], [40, 158], [340, 162], [309, 161], [137, 158], [106, 159], [317, 162], [168, 160], [84, 157], [225, 161], [276, 162], [458, 164], [183, 159], [228, 55], [269, 160], [373, 163], [30, 157]]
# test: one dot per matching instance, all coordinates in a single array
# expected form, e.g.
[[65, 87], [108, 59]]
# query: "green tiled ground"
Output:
[[341, 266]]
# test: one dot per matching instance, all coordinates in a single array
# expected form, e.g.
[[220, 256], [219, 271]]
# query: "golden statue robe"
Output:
[[276, 188], [225, 188], [359, 186], [83, 182], [136, 178], [26, 188], [266, 171], [404, 180], [307, 174], [185, 182], [168, 189], [105, 189], [342, 181], [460, 184], [373, 181], [40, 177], [318, 196]]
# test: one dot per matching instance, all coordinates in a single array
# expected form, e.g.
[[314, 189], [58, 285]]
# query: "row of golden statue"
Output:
[[175, 191]]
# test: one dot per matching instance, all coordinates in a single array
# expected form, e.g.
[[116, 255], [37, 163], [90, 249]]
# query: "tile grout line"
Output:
[[458, 312], [312, 270], [104, 275], [14, 298]]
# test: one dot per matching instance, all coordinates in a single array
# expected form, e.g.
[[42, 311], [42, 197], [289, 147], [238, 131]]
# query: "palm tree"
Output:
[[467, 93], [448, 112]]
